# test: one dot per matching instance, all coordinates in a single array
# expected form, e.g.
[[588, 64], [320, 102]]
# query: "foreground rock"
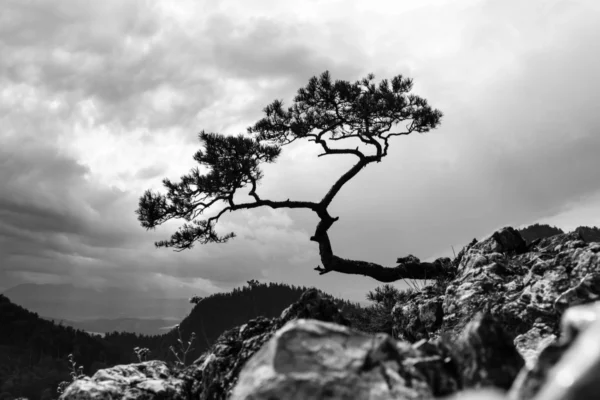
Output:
[[527, 288], [569, 368], [148, 380], [308, 359]]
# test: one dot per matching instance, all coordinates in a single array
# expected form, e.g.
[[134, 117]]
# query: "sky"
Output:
[[100, 101]]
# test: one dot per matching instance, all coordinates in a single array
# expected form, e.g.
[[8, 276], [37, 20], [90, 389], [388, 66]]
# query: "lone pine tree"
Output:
[[323, 112]]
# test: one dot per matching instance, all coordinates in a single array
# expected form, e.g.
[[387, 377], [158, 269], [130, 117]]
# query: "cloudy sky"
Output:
[[100, 101]]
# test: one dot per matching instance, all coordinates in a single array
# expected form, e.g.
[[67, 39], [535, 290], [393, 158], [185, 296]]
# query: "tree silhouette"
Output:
[[323, 112]]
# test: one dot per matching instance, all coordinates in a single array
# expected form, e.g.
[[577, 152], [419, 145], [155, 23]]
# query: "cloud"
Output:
[[100, 101]]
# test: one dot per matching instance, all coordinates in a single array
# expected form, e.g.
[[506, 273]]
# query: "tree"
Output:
[[363, 115]]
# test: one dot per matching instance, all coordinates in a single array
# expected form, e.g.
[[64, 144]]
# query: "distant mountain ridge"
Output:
[[37, 348], [78, 304], [33, 353], [142, 326]]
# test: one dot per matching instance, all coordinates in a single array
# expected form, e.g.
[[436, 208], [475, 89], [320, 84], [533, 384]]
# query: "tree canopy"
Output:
[[325, 112]]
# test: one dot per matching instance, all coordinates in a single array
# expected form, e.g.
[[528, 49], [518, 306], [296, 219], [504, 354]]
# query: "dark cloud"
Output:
[[518, 141], [140, 72], [46, 194]]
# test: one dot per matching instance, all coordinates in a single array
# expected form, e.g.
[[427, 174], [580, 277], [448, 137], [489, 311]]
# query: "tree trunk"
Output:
[[409, 267]]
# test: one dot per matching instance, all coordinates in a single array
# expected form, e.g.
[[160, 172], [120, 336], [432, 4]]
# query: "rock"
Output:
[[431, 314], [575, 376], [568, 369], [147, 380], [487, 355], [587, 290], [520, 286], [309, 359], [215, 373], [420, 317]]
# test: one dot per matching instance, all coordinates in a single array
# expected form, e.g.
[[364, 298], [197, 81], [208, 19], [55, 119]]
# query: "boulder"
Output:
[[148, 380], [567, 369], [312, 359], [215, 373], [309, 359]]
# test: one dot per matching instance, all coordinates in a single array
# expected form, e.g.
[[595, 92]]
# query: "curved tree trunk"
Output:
[[408, 268]]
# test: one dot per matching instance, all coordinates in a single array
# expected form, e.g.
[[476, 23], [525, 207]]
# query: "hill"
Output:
[[33, 353], [33, 350], [215, 314], [67, 302]]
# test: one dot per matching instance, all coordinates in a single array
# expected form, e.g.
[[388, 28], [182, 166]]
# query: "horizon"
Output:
[[101, 101]]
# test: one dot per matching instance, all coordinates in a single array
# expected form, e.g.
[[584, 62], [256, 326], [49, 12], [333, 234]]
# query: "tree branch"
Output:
[[351, 173], [408, 268], [414, 270]]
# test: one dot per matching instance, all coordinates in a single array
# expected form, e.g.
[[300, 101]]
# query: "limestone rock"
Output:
[[567, 369], [520, 286], [309, 359], [215, 373], [420, 317], [531, 343], [487, 355], [312, 359], [144, 381]]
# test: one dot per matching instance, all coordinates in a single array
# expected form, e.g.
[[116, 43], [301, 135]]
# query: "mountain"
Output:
[[33, 353], [495, 320], [76, 304], [213, 315], [34, 350], [143, 326]]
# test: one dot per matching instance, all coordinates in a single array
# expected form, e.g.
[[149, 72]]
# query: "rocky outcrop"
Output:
[[148, 380], [525, 287], [309, 359], [492, 324]]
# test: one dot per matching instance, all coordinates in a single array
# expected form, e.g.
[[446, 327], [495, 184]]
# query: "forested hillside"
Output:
[[537, 231], [34, 351]]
